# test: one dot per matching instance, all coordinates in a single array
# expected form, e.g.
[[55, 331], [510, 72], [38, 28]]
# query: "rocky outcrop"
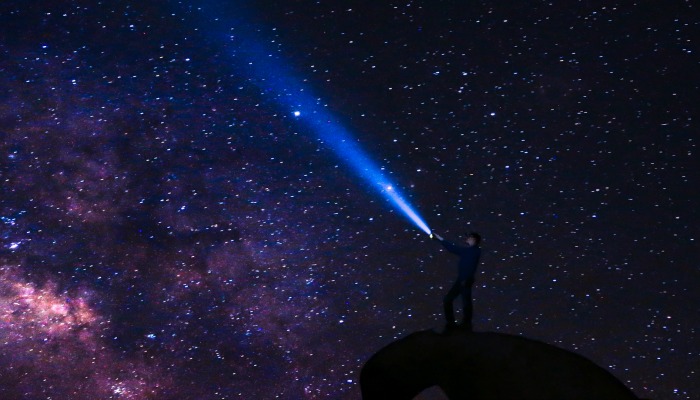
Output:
[[473, 366]]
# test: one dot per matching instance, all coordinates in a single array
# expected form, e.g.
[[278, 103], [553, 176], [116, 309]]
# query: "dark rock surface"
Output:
[[467, 365]]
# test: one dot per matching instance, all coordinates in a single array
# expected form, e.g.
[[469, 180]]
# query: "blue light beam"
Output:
[[338, 138], [270, 73]]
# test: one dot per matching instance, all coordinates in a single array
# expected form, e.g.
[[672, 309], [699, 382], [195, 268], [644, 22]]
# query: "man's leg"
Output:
[[451, 295], [467, 305]]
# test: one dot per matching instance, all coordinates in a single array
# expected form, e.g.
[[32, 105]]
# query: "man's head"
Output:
[[473, 238]]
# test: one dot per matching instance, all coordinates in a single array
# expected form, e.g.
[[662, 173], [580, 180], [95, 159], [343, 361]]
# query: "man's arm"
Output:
[[451, 247]]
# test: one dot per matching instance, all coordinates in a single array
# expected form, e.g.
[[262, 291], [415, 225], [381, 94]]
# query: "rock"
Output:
[[467, 365]]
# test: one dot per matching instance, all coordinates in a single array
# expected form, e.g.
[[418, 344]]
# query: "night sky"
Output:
[[169, 229]]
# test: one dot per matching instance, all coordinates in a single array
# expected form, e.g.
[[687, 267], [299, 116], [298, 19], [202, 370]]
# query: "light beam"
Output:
[[270, 73]]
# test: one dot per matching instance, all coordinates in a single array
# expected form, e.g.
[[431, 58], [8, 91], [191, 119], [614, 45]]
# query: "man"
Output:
[[468, 261]]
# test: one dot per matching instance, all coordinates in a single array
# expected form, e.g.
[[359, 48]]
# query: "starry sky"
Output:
[[169, 229]]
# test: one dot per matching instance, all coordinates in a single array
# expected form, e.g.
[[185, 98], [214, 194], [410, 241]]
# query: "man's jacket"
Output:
[[468, 259]]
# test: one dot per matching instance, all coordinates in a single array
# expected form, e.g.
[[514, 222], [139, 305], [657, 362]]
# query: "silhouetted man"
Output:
[[468, 261]]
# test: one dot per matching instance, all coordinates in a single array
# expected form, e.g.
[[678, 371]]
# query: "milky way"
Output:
[[170, 230]]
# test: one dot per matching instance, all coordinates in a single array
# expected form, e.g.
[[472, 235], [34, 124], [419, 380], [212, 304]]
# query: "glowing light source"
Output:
[[267, 70]]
